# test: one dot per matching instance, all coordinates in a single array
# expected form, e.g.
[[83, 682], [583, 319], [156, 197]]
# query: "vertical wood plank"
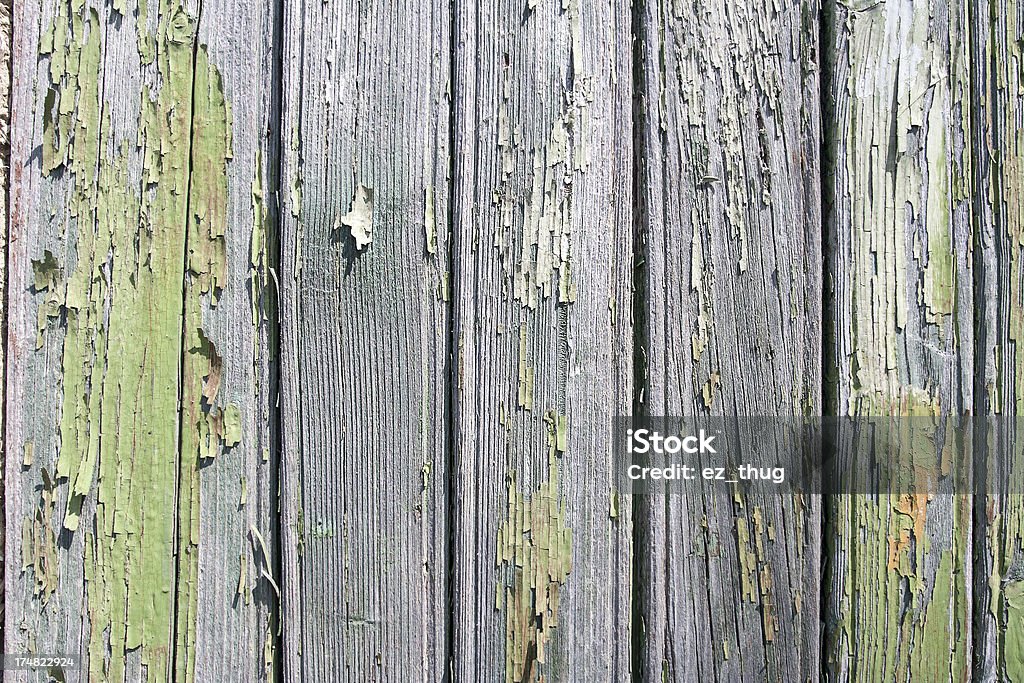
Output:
[[732, 259], [365, 329], [5, 177], [227, 624], [997, 31], [897, 186], [543, 258], [138, 363]]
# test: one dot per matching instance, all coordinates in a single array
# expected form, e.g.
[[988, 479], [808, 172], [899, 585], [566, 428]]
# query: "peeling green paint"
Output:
[[1013, 599], [45, 272], [538, 259], [242, 567], [122, 340], [535, 551], [206, 426], [232, 425], [123, 345], [46, 276], [39, 543], [900, 558], [1001, 208]]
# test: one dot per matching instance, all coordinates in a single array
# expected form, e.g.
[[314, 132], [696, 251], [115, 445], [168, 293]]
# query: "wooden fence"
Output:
[[318, 314]]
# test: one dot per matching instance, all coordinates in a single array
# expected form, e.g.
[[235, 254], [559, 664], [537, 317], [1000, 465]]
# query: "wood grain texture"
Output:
[[365, 331], [234, 599], [5, 177], [318, 315], [732, 259], [139, 367], [997, 30], [543, 259], [897, 187]]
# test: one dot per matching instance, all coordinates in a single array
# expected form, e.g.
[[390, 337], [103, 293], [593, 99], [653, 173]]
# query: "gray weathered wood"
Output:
[[365, 328], [131, 216], [237, 583], [5, 148], [897, 184], [731, 296], [543, 260]]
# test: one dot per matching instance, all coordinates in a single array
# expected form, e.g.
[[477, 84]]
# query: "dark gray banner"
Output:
[[881, 455]]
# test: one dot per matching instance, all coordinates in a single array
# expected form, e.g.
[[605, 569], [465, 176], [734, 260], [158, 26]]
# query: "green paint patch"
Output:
[[903, 584], [1013, 601], [535, 551], [46, 276], [232, 425], [206, 426], [538, 258], [45, 272], [124, 339], [39, 543]]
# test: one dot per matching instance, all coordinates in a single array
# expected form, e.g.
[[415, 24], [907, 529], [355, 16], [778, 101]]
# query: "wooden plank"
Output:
[[131, 215], [729, 579], [228, 583], [543, 255], [897, 184], [999, 214], [5, 177], [365, 330]]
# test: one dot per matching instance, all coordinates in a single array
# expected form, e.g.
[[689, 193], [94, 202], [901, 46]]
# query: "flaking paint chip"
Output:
[[45, 271], [232, 425], [359, 218]]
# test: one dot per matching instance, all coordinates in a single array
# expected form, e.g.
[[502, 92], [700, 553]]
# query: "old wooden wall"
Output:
[[318, 314]]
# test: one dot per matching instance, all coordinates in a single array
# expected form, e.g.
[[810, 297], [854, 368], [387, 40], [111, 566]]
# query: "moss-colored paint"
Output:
[[1002, 207], [39, 542], [534, 552], [900, 559], [123, 347], [207, 426]]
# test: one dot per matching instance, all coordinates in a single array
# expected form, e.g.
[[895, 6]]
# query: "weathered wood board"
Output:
[[5, 147], [897, 185], [139, 475], [365, 340], [998, 143], [543, 332], [732, 262]]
